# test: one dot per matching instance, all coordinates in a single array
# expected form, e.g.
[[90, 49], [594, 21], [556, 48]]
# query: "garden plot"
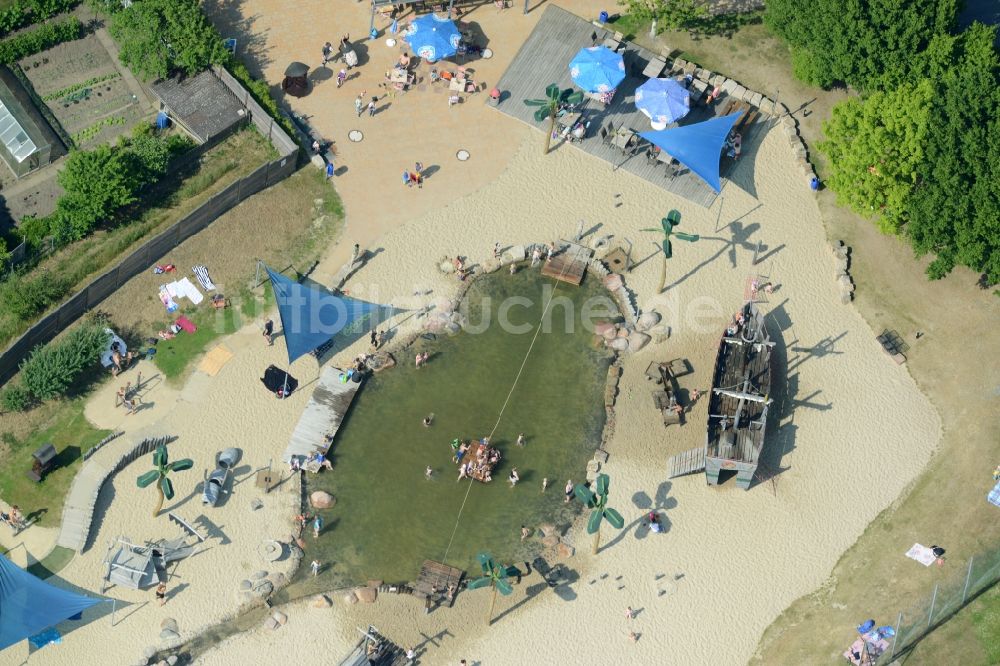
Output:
[[80, 84]]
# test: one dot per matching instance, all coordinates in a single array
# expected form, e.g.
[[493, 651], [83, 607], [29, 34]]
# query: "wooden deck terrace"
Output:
[[544, 59], [570, 265], [435, 579], [738, 361]]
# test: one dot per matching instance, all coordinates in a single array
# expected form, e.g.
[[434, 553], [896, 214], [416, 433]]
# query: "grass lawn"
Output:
[[71, 434], [173, 356], [177, 195], [971, 637]]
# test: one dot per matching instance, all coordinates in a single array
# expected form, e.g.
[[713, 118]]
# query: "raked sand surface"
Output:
[[854, 426]]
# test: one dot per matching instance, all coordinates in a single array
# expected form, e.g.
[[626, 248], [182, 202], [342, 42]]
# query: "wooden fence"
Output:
[[141, 259]]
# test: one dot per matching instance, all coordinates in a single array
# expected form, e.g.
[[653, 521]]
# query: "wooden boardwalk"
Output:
[[689, 462], [570, 265], [322, 416], [544, 58], [435, 579]]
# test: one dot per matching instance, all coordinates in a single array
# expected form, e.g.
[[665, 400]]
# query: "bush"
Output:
[[51, 369], [160, 37], [260, 91], [43, 37], [33, 230], [26, 297], [21, 13], [15, 398]]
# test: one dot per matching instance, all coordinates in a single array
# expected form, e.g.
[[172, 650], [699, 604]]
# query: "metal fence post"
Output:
[[895, 636], [968, 576], [930, 615]]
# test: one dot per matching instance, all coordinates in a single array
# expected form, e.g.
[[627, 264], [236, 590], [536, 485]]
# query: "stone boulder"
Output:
[[547, 529], [619, 344], [350, 598], [490, 265], [647, 321], [366, 594], [610, 333], [603, 328], [258, 575], [613, 282], [169, 624], [564, 550], [446, 266], [168, 635], [321, 499], [279, 617], [551, 540], [321, 601], [637, 341], [271, 624]]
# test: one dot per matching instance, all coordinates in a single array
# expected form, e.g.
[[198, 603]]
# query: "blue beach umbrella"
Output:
[[432, 37], [665, 101], [597, 69]]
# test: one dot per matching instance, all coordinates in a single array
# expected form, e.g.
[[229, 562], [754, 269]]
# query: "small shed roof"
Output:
[[202, 103]]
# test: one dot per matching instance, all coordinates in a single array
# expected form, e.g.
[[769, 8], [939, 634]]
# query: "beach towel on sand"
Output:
[[166, 299], [186, 324], [921, 554], [994, 495], [186, 288], [201, 272]]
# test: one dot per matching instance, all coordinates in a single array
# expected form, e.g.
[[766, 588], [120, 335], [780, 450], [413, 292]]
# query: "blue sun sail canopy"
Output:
[[29, 605], [311, 317], [698, 146]]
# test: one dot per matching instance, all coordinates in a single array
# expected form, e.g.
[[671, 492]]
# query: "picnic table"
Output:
[[461, 85], [568, 119], [654, 68], [612, 43], [624, 139]]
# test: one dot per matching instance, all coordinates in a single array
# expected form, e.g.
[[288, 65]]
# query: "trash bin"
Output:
[[602, 17], [814, 183]]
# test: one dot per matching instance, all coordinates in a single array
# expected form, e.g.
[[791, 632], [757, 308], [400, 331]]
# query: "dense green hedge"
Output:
[[262, 93], [21, 13], [51, 370], [43, 37]]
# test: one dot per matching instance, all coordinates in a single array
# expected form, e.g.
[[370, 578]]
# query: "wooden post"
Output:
[[628, 256]]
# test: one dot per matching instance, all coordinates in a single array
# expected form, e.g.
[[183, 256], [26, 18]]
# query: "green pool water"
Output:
[[388, 517]]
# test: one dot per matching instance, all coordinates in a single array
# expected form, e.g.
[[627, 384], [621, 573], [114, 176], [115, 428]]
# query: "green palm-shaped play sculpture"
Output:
[[549, 107], [668, 223], [495, 576], [160, 475], [598, 504]]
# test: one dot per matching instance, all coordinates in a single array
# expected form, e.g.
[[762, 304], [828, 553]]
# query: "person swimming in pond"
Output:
[[428, 472], [513, 477], [427, 420], [463, 471], [520, 439]]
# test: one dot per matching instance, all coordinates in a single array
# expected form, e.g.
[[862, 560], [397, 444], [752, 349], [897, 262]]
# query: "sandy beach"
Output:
[[853, 428], [744, 554]]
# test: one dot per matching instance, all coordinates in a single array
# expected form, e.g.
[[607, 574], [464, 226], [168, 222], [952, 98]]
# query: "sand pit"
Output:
[[854, 428]]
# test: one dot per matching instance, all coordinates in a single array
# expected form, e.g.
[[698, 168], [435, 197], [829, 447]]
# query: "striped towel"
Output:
[[994, 496], [201, 272]]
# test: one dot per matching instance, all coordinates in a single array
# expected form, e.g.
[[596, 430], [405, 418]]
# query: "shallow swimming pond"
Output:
[[388, 516]]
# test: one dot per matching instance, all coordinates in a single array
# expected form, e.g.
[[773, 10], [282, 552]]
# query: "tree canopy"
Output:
[[159, 37], [923, 158], [864, 43]]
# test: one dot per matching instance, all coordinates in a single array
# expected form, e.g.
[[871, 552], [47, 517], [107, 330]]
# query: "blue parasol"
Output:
[[433, 38], [597, 69], [665, 101], [698, 146]]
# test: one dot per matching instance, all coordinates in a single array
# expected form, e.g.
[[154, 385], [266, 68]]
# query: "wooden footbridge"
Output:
[[323, 415], [569, 265]]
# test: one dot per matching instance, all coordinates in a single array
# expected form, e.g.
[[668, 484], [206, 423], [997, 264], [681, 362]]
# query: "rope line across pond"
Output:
[[524, 362]]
